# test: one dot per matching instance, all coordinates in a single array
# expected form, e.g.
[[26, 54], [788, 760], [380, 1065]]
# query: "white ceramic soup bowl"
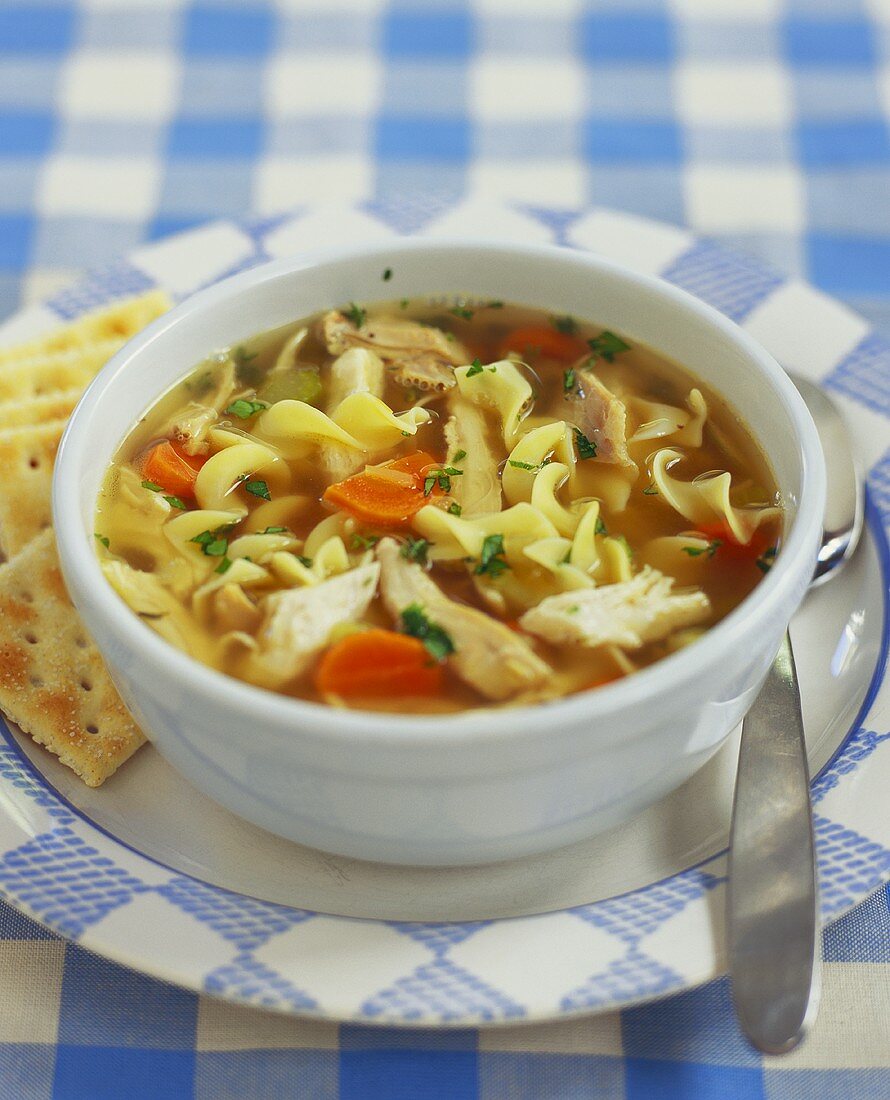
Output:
[[482, 785]]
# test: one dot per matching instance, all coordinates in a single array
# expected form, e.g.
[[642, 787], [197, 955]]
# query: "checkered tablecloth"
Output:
[[761, 122]]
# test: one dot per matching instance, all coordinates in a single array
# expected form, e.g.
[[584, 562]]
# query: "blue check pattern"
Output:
[[763, 123], [760, 123]]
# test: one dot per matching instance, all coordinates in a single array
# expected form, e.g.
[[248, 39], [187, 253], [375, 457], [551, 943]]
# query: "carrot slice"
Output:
[[376, 663], [167, 465], [544, 341], [384, 501]]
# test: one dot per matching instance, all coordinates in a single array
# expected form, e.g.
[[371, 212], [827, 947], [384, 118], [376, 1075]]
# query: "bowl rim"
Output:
[[318, 721]]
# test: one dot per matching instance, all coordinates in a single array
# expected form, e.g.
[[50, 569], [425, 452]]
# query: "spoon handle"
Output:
[[774, 945]]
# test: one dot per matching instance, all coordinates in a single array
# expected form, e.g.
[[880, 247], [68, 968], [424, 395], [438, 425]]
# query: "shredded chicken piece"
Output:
[[357, 370], [421, 355], [628, 614], [234, 610], [298, 622], [478, 490], [191, 424], [602, 418], [156, 604], [487, 654]]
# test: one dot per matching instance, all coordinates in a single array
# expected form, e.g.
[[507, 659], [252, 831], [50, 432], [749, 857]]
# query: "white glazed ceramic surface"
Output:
[[632, 914], [483, 785]]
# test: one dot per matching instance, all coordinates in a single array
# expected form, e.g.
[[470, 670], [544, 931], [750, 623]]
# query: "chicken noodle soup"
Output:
[[409, 507]]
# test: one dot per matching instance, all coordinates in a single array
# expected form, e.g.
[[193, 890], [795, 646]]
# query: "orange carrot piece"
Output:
[[378, 663], [544, 341], [378, 501], [167, 465]]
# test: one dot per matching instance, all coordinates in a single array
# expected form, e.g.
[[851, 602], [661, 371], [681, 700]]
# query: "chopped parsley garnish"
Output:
[[363, 542], [523, 465], [765, 562], [404, 303], [697, 551], [244, 409], [599, 528], [304, 561], [248, 373], [224, 566], [454, 508], [106, 542], [566, 325], [586, 447], [387, 274], [274, 531], [492, 560], [356, 314], [568, 380], [497, 304], [152, 486], [627, 547], [463, 312], [651, 490], [459, 456], [175, 502], [437, 642], [475, 368], [442, 478], [607, 345], [214, 543], [258, 488], [415, 550]]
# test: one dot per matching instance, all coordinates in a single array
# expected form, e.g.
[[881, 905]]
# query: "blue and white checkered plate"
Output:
[[154, 875]]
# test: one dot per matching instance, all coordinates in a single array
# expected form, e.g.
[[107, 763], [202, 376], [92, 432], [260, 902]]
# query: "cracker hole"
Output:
[[34, 462], [31, 639], [87, 685], [36, 681], [80, 642], [92, 728], [28, 597]]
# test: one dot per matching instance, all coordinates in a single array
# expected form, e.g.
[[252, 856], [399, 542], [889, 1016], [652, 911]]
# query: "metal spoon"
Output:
[[772, 903]]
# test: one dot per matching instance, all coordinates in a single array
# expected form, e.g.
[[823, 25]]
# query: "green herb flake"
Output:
[[247, 372], [568, 380], [697, 551], [304, 561], [404, 303], [216, 548], [651, 490], [566, 325], [517, 465], [442, 478], [224, 566], [437, 642], [357, 315], [475, 368], [106, 542], [599, 528], [586, 447], [244, 409], [274, 531], [454, 508], [363, 542], [387, 274], [492, 560], [176, 502], [259, 489], [459, 456], [626, 545], [607, 345], [497, 304], [152, 486], [765, 562], [415, 550], [462, 312]]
